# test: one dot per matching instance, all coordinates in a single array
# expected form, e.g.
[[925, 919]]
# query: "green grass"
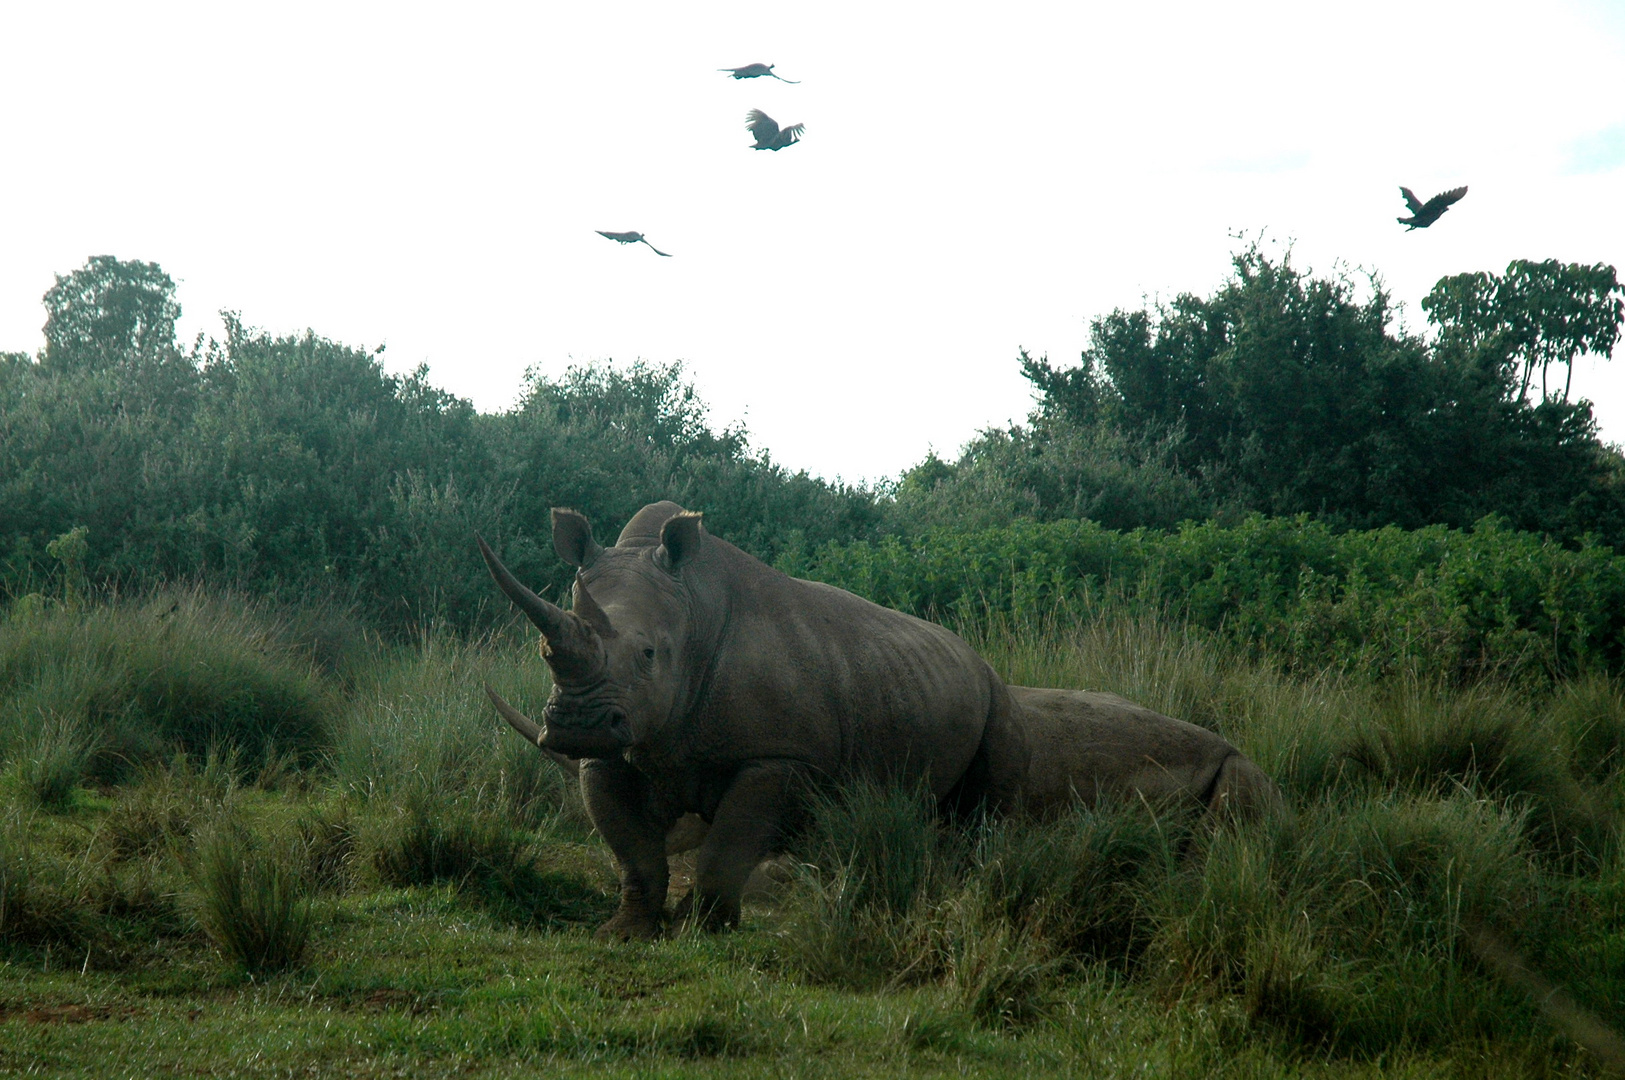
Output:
[[413, 893]]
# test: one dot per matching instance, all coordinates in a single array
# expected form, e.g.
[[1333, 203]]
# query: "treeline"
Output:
[[297, 467], [1287, 394]]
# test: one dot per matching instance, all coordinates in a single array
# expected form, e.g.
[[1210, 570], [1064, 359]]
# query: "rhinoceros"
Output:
[[1087, 745], [693, 678]]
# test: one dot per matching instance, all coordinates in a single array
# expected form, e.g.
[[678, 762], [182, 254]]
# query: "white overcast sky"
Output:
[[974, 179]]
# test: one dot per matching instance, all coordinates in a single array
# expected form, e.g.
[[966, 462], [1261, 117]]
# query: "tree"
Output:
[[110, 312], [1536, 315]]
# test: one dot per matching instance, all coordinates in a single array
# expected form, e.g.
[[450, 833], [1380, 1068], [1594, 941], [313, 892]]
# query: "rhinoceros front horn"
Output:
[[552, 621], [572, 645]]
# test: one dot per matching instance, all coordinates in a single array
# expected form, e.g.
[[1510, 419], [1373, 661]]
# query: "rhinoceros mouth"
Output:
[[603, 733]]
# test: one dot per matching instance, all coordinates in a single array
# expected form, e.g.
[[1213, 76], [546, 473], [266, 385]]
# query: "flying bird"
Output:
[[752, 71], [1424, 214], [631, 238], [769, 136]]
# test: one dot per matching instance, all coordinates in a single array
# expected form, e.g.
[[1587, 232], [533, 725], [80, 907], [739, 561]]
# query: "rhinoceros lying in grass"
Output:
[[693, 678], [1085, 746]]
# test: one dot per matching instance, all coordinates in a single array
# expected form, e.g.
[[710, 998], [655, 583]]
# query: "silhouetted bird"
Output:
[[631, 238], [752, 71], [768, 134], [1424, 214]]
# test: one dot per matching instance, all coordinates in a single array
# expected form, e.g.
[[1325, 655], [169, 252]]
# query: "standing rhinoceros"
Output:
[[695, 678]]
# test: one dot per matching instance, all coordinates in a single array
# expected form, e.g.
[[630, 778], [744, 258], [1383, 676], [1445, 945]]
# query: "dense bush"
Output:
[[1437, 601], [1285, 393]]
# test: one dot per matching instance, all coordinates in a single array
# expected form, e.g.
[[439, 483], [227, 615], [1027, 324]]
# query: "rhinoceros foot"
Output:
[[630, 924], [713, 915]]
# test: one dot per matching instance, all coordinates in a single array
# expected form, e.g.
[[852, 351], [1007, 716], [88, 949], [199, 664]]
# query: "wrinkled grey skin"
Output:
[[1087, 746], [694, 678]]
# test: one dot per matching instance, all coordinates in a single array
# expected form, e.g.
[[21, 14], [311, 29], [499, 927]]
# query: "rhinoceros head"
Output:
[[617, 655]]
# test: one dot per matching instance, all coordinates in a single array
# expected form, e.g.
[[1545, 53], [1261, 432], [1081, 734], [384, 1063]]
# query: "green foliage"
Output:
[[1437, 601], [110, 312], [1536, 315], [1283, 393], [297, 467]]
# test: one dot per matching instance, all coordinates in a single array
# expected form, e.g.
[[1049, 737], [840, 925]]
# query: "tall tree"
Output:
[[110, 312]]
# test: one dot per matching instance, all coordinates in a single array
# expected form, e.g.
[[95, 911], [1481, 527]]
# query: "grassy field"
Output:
[[240, 841]]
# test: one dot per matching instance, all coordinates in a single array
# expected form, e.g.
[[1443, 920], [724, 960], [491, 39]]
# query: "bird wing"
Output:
[[793, 132], [612, 235], [761, 125], [1412, 203], [656, 250], [781, 78], [1446, 198]]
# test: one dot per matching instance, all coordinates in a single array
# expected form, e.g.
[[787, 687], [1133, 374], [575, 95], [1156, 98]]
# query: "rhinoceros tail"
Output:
[[1242, 791]]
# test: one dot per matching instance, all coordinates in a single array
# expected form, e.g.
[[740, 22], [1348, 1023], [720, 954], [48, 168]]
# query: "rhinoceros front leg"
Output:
[[627, 815], [761, 804]]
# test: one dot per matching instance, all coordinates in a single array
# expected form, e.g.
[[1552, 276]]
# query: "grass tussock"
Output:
[[500, 866], [253, 901], [422, 728], [76, 904]]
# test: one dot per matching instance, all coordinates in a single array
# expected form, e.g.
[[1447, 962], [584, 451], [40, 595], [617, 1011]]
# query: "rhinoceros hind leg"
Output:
[[624, 812], [1242, 790]]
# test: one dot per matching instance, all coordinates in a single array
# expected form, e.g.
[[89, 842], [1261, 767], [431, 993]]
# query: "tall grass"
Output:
[[1419, 811], [421, 728], [100, 689]]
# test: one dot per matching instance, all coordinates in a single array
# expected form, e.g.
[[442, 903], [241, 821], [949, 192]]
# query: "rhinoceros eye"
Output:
[[648, 654]]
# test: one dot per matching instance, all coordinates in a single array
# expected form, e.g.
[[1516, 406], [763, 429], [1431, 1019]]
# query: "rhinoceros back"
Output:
[[811, 672]]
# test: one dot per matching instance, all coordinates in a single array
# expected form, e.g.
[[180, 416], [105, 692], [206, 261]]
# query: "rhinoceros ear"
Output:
[[680, 538], [572, 538]]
